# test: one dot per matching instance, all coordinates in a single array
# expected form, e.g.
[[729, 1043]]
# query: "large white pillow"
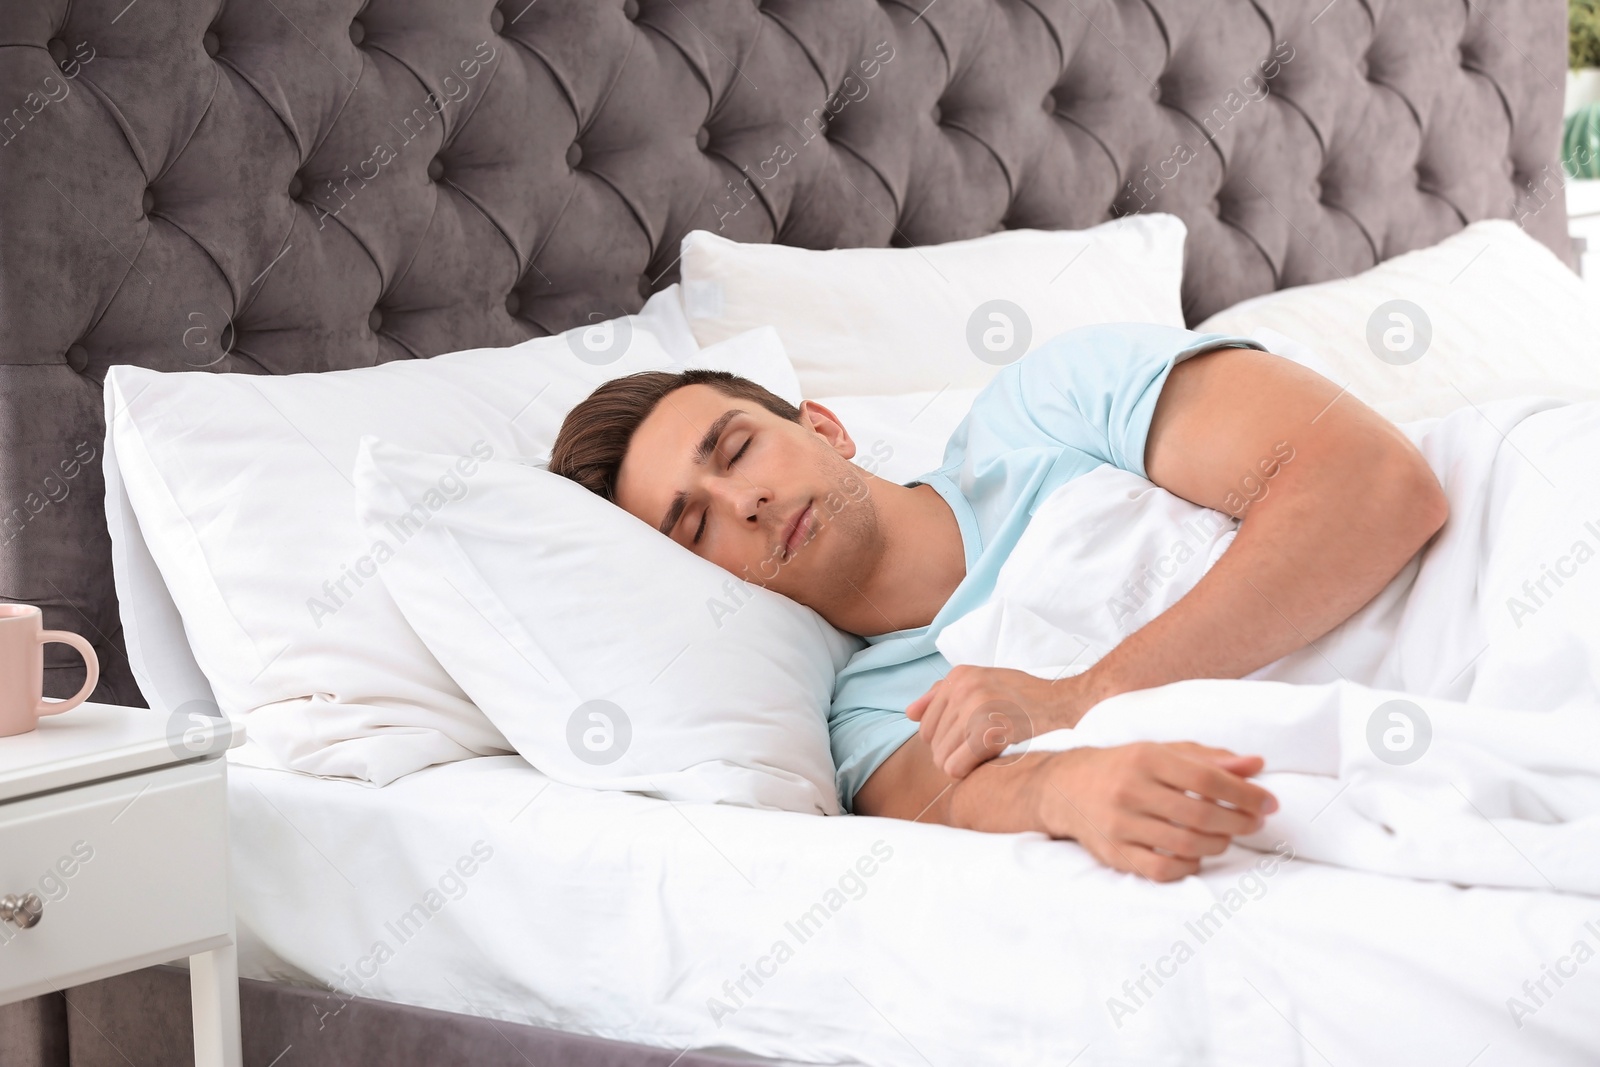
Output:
[[903, 320], [241, 488], [609, 655], [1485, 313]]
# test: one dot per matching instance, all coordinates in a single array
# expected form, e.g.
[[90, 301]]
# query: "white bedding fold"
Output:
[[1500, 798]]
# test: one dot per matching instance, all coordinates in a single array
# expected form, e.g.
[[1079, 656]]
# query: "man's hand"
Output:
[[1128, 805], [973, 713]]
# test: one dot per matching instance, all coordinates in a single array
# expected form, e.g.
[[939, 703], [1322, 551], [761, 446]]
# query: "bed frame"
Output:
[[306, 185]]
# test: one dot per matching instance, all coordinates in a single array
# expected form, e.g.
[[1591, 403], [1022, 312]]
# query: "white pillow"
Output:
[[609, 655], [902, 320], [902, 436], [241, 489], [1485, 313]]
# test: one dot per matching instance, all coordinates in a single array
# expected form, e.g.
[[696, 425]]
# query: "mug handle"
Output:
[[90, 661]]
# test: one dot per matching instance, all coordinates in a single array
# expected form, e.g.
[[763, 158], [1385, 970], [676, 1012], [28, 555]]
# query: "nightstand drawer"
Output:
[[132, 872]]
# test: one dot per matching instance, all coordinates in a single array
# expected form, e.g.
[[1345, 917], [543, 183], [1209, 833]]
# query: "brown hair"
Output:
[[594, 436]]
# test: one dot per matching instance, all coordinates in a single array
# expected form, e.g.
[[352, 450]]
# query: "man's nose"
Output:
[[747, 501]]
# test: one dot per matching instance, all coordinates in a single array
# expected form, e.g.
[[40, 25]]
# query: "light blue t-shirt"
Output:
[[1081, 400]]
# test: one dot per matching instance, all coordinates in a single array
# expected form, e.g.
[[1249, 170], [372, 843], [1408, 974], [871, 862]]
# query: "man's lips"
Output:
[[795, 532]]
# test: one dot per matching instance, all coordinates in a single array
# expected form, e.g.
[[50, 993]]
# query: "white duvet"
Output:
[[1449, 730], [850, 940]]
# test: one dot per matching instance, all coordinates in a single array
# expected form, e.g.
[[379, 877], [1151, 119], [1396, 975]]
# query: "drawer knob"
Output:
[[23, 911]]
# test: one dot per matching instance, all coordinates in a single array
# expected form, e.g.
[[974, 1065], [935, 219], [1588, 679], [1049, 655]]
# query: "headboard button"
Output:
[[358, 32], [147, 202], [375, 320], [513, 303], [702, 137], [936, 114], [630, 10], [1049, 103], [58, 50], [644, 286], [296, 187], [78, 358], [574, 155], [435, 169], [210, 43], [497, 20]]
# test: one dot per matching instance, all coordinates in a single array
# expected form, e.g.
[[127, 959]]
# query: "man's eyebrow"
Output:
[[708, 443], [702, 454], [674, 512]]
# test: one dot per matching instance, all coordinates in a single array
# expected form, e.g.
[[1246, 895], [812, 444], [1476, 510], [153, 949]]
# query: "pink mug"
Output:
[[22, 641]]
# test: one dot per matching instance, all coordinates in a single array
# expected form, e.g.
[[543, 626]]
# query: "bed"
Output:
[[201, 217]]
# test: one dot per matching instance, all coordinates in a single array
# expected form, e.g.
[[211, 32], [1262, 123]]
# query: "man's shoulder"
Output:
[[1077, 358]]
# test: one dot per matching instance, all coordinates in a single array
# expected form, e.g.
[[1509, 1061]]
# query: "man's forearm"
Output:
[[998, 797]]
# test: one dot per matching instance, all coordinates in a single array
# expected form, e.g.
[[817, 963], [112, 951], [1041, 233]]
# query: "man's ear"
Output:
[[826, 424]]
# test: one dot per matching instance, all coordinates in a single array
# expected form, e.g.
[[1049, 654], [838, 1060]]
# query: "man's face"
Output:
[[777, 503]]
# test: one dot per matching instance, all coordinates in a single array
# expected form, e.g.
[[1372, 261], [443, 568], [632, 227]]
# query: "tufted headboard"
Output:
[[276, 186]]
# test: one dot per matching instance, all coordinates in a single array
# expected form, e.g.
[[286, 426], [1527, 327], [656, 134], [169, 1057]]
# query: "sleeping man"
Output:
[[1325, 504]]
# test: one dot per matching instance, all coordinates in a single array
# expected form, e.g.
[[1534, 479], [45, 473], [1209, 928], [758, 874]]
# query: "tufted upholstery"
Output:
[[300, 185]]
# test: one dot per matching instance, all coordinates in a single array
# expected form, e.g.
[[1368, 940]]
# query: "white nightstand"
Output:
[[114, 822]]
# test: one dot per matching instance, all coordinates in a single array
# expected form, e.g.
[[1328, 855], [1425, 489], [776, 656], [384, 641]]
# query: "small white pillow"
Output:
[[904, 320], [1486, 313], [757, 355], [609, 655], [240, 487]]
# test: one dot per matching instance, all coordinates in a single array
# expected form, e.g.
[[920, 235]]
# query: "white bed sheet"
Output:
[[623, 916]]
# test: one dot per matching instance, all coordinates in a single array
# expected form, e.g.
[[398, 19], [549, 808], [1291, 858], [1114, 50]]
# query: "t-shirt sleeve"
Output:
[[862, 738], [867, 721], [1095, 389]]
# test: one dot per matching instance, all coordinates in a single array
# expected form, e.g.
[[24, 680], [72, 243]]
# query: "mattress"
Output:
[[482, 887]]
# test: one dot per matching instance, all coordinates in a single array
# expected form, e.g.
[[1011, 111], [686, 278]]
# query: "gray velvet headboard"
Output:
[[274, 186]]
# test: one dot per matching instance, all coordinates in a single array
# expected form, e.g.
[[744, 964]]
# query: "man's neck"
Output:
[[923, 561]]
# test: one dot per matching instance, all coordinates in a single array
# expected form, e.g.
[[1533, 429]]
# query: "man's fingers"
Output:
[[920, 705], [1136, 859], [979, 739], [1202, 815], [932, 715], [1209, 780], [1219, 756], [963, 760], [1181, 842]]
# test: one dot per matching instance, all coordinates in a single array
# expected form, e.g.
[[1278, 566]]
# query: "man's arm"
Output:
[[1120, 803], [1326, 532], [1321, 535]]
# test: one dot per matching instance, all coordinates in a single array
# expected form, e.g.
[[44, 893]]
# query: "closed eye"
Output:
[[701, 529]]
